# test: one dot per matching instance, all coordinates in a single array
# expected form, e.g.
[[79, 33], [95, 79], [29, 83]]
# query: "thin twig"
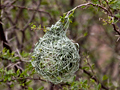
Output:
[[32, 17], [32, 9], [21, 58], [90, 65]]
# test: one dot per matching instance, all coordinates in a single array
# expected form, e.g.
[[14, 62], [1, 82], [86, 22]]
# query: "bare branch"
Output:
[[109, 13]]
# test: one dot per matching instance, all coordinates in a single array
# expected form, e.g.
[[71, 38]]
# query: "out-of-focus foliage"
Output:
[[93, 27]]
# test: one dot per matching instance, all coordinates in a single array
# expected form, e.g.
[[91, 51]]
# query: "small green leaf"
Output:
[[117, 15], [12, 85], [99, 87], [44, 3], [93, 66], [83, 6], [105, 77], [92, 80], [28, 82], [30, 88], [18, 72], [41, 88], [85, 34], [43, 19], [86, 68], [59, 78], [74, 78], [85, 82], [9, 78]]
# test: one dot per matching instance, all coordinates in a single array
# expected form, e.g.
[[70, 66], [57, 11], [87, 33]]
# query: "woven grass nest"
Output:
[[55, 56]]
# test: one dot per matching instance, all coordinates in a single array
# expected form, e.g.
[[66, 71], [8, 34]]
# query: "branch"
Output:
[[32, 17], [109, 13], [94, 78], [115, 29], [30, 9], [3, 38], [26, 78]]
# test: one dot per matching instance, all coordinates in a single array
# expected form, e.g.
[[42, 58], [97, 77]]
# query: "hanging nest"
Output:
[[55, 56]]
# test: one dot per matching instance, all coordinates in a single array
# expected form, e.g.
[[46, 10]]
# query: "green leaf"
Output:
[[117, 15], [105, 77], [83, 6], [23, 84], [99, 87], [59, 78], [9, 78], [41, 88], [85, 82], [44, 3], [12, 54], [30, 88], [93, 66], [28, 82], [33, 27], [12, 85], [18, 72], [85, 34], [74, 78], [86, 68], [92, 80], [44, 19]]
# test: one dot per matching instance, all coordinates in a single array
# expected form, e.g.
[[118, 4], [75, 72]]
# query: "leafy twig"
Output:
[[94, 78]]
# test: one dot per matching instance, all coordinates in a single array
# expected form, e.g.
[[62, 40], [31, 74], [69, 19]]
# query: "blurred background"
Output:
[[99, 43]]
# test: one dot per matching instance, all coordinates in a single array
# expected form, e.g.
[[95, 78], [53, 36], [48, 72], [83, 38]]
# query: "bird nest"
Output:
[[55, 56]]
